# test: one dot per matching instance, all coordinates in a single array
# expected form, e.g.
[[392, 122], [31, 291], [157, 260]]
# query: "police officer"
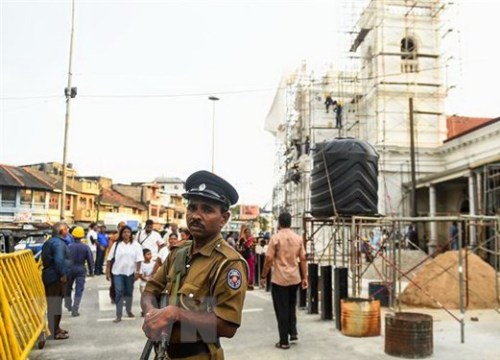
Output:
[[205, 280]]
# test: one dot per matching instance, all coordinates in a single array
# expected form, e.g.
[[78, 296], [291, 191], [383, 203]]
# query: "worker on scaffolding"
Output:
[[338, 112], [328, 102]]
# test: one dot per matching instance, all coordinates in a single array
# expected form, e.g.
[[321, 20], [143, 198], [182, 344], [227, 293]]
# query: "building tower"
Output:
[[399, 45]]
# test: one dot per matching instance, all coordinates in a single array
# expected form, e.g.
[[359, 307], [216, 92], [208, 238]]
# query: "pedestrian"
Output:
[[150, 239], [102, 244], [172, 243], [366, 249], [79, 254], [185, 235], [284, 248], [124, 265], [112, 239], [92, 238], [56, 261], [230, 240], [453, 233], [206, 280], [260, 257], [246, 247], [411, 238], [114, 236], [146, 269], [173, 228], [165, 231], [164, 251]]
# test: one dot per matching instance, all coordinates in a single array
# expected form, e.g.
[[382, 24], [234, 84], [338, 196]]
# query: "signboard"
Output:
[[112, 219], [249, 212]]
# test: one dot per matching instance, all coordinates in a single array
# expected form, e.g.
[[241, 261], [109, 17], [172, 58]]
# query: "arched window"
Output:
[[409, 61]]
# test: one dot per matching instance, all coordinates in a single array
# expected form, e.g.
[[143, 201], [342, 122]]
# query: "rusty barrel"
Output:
[[379, 291], [408, 335], [360, 317]]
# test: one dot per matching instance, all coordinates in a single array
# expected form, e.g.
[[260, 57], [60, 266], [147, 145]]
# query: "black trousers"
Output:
[[99, 260], [54, 293], [285, 302]]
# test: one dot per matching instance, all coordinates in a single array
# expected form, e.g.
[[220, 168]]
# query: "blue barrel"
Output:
[[379, 291]]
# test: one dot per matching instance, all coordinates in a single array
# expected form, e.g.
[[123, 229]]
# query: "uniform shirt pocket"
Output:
[[192, 298]]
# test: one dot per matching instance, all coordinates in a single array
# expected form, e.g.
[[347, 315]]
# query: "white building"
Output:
[[171, 199], [402, 56]]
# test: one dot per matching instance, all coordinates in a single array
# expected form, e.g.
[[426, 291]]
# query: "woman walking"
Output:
[[246, 248], [124, 264]]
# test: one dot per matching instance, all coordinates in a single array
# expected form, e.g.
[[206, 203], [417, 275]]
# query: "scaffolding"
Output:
[[339, 242], [369, 86]]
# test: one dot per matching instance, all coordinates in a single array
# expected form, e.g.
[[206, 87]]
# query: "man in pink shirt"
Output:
[[284, 253]]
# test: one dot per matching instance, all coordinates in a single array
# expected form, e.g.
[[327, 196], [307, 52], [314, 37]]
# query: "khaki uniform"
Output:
[[215, 281]]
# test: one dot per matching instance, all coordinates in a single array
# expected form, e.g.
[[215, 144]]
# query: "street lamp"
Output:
[[213, 99], [69, 93]]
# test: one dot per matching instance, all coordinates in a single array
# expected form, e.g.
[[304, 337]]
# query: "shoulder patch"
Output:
[[234, 278]]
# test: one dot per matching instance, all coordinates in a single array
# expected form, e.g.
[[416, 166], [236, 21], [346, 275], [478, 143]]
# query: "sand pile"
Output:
[[409, 259], [444, 286]]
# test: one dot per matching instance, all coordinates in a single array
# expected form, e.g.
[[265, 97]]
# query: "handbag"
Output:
[[243, 249], [112, 293]]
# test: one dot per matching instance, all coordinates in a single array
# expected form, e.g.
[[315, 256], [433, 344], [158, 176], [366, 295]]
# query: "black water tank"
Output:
[[352, 168]]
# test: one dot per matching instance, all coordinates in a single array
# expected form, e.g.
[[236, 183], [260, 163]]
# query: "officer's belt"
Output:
[[184, 350]]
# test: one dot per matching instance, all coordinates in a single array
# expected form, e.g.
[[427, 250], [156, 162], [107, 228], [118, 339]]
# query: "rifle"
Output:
[[160, 347]]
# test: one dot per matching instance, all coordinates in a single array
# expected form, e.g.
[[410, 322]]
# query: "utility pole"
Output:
[[70, 93], [413, 197], [213, 99]]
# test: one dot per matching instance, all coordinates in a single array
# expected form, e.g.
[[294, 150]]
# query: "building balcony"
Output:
[[85, 215], [8, 204]]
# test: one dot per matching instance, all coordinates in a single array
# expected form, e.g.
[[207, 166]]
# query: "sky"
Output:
[[145, 69]]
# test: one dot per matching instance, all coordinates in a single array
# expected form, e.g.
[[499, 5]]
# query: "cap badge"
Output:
[[202, 187]]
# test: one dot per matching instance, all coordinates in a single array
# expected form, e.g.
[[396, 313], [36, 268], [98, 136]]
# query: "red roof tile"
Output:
[[112, 197], [458, 125]]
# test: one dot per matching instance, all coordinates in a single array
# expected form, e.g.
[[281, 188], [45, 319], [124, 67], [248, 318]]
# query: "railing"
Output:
[[25, 205], [8, 204], [22, 305], [39, 206]]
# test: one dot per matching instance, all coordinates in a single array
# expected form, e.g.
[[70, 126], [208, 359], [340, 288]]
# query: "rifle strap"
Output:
[[180, 270]]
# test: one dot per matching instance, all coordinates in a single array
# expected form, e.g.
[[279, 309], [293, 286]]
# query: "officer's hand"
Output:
[[158, 322], [64, 279], [305, 283]]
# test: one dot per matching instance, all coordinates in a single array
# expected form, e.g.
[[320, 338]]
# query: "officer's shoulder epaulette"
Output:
[[228, 251]]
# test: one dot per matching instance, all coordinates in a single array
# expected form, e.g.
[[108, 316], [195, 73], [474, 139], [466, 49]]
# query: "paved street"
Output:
[[93, 335]]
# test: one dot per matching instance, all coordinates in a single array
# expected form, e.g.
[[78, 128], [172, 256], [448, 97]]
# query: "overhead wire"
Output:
[[207, 93]]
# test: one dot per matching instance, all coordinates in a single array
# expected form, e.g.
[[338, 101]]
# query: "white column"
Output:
[[479, 193], [472, 207], [433, 243]]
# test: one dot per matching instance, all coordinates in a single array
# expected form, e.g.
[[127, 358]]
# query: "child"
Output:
[[146, 269]]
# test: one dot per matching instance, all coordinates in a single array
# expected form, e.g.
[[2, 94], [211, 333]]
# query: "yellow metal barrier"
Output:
[[22, 304]]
